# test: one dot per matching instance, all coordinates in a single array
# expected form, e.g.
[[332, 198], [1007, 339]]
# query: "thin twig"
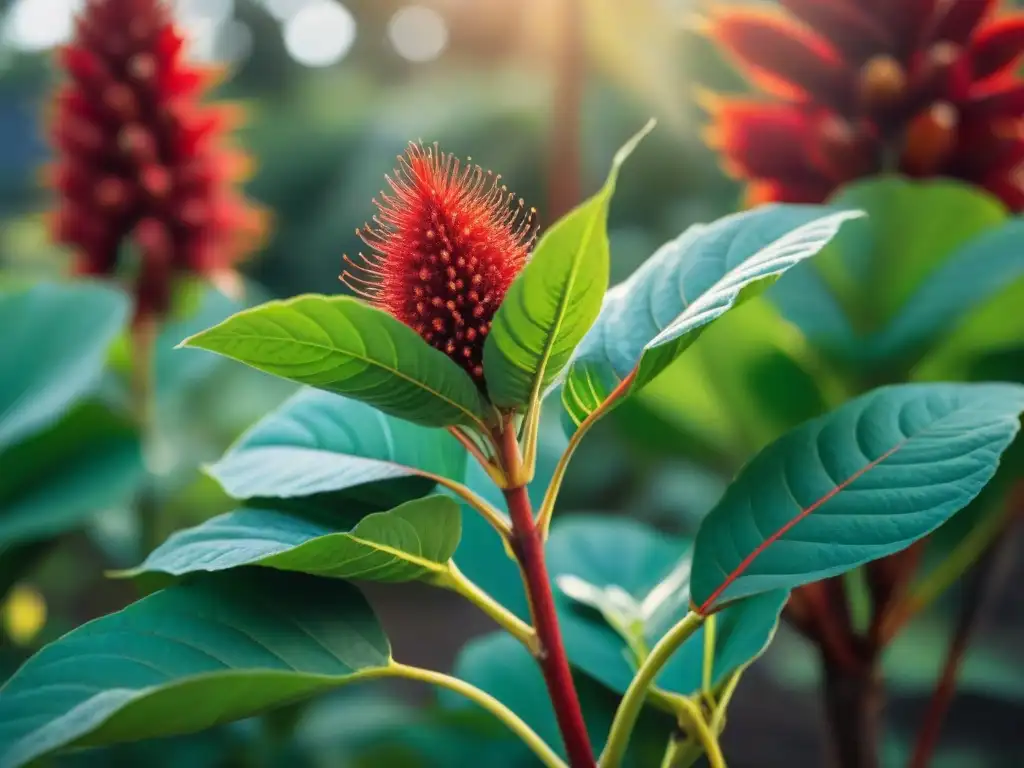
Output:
[[986, 582]]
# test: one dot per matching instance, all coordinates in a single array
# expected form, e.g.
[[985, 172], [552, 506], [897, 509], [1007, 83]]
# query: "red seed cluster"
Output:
[[140, 165], [857, 87], [447, 243]]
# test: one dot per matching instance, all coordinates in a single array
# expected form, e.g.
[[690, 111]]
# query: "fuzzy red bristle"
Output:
[[138, 159], [447, 242]]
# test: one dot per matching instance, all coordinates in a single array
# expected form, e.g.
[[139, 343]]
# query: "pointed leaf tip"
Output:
[[627, 149]]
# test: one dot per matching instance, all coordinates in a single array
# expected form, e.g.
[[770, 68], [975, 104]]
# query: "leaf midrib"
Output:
[[733, 575], [563, 302], [369, 361]]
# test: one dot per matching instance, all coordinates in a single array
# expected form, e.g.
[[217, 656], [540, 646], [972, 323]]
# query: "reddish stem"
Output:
[[529, 549], [989, 575]]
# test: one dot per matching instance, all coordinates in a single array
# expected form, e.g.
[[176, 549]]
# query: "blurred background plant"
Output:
[[542, 91]]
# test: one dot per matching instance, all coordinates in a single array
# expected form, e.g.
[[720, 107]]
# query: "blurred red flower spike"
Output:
[[892, 85], [139, 160]]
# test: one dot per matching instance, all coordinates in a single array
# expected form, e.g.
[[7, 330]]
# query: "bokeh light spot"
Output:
[[37, 25], [320, 34], [418, 34]]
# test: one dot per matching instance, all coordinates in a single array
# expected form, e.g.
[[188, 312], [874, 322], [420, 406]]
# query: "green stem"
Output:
[[677, 747], [456, 581], [547, 507], [633, 701], [508, 718], [708, 668], [490, 513], [728, 689], [143, 394]]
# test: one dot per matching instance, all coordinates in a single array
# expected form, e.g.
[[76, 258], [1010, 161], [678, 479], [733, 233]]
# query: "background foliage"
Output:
[[323, 138]]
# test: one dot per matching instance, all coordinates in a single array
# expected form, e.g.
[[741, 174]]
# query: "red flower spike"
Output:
[[784, 58], [998, 46], [447, 243], [922, 87], [139, 160]]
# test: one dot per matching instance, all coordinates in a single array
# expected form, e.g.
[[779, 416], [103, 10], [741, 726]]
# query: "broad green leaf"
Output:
[[218, 648], [762, 370], [992, 334], [341, 345], [317, 442], [857, 484], [413, 541], [975, 272], [805, 299], [54, 347], [911, 227], [88, 461], [621, 586], [653, 317], [552, 304], [500, 665]]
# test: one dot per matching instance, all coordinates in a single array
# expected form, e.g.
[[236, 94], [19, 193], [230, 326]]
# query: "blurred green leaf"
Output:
[[972, 274], [911, 228], [621, 586], [221, 647], [55, 343], [318, 442], [342, 345], [552, 304], [859, 483], [648, 321], [89, 460], [412, 541], [987, 344]]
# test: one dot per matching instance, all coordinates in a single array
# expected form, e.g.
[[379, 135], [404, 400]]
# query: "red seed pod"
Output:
[[139, 159], [447, 242], [880, 66]]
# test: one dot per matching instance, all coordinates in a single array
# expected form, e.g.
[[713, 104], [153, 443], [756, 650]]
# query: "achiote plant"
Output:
[[338, 486]]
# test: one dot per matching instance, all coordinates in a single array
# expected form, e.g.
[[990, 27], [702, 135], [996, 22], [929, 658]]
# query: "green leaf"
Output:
[[54, 345], [804, 298], [500, 665], [221, 647], [621, 586], [317, 442], [911, 227], [857, 484], [977, 271], [412, 541], [552, 304], [761, 375], [341, 345], [987, 339], [88, 461], [653, 317]]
